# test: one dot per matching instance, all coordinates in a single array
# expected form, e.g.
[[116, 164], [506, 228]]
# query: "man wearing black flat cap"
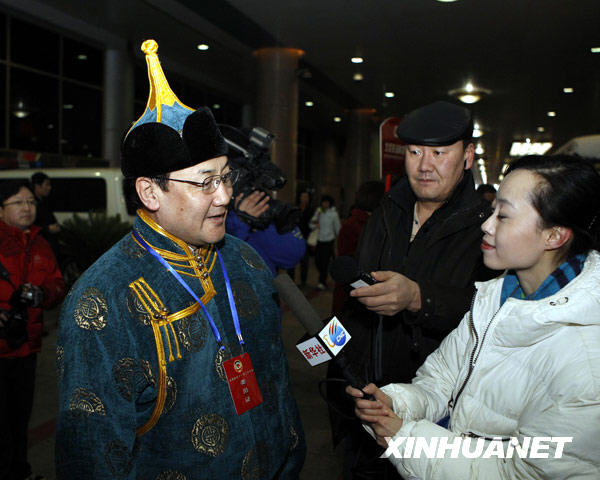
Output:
[[422, 246]]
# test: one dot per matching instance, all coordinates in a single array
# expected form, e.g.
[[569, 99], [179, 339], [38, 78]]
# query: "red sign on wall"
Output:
[[391, 148]]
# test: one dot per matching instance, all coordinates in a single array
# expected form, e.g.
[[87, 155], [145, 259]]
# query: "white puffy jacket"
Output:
[[536, 373]]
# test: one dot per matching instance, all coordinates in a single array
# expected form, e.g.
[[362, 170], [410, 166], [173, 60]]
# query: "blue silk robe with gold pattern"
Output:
[[142, 390]]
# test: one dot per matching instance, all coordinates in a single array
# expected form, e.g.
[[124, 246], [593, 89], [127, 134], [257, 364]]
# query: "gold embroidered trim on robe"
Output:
[[192, 263], [160, 318]]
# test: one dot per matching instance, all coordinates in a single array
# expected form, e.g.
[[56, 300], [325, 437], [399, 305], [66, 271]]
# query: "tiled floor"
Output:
[[321, 462]]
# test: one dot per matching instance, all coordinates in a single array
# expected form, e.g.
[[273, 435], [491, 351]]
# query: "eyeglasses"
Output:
[[210, 184], [21, 203]]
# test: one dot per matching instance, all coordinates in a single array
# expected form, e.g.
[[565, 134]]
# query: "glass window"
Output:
[[34, 46], [78, 194], [82, 120], [2, 36], [82, 62], [33, 111]]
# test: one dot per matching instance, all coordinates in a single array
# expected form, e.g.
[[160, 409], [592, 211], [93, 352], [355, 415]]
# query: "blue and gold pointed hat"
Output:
[[169, 135]]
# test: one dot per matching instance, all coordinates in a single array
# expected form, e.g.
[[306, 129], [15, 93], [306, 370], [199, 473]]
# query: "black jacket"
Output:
[[444, 259]]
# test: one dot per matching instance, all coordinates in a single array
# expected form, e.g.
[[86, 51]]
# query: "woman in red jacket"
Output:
[[29, 282]]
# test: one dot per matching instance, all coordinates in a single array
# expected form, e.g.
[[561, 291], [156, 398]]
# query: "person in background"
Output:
[[326, 219], [278, 250], [306, 213], [367, 199], [524, 361], [487, 192], [171, 364], [44, 217], [30, 282]]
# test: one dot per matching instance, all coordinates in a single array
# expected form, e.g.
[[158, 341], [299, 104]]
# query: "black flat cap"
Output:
[[437, 124]]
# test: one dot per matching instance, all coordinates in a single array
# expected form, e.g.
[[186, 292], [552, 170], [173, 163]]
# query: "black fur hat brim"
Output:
[[153, 148]]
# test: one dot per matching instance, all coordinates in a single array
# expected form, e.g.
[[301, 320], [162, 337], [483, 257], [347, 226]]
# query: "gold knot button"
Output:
[[149, 47]]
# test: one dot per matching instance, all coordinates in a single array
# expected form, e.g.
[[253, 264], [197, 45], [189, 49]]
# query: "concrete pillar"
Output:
[[277, 109], [358, 152], [118, 102]]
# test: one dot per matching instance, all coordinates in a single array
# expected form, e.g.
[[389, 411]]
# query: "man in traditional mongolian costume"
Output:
[[170, 359]]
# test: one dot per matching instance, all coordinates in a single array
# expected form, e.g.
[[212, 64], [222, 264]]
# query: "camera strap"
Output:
[[5, 275]]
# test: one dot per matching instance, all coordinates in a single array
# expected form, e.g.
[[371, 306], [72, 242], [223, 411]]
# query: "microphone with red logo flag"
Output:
[[322, 342]]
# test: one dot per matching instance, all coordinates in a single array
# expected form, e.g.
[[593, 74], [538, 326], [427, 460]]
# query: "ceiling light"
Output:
[[568, 90], [82, 56], [500, 177], [309, 103], [202, 46], [595, 49], [357, 77], [518, 149], [68, 106], [446, 1], [20, 111], [356, 60], [551, 114], [389, 94], [477, 131], [541, 129], [337, 119], [469, 93], [479, 149], [469, 98], [481, 162], [216, 106]]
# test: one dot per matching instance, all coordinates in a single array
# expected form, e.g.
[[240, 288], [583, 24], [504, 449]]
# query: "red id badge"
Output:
[[242, 383]]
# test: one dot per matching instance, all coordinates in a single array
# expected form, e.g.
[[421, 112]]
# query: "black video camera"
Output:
[[13, 324], [249, 154]]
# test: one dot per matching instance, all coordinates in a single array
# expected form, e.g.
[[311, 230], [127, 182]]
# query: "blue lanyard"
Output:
[[234, 314]]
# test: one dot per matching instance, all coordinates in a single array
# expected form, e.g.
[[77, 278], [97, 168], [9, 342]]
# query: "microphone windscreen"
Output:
[[344, 269], [299, 305]]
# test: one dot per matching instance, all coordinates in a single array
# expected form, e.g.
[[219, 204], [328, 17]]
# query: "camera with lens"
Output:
[[249, 154], [14, 321], [14, 330]]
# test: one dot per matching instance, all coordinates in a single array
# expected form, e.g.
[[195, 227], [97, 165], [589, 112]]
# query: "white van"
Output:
[[587, 146], [81, 190]]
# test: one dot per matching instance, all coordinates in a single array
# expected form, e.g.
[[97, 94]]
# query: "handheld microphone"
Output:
[[311, 322], [345, 270]]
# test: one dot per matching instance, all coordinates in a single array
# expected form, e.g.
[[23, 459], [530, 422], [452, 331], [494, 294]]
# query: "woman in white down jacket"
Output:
[[520, 376]]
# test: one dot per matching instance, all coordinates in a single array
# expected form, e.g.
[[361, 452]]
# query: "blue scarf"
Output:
[[566, 272]]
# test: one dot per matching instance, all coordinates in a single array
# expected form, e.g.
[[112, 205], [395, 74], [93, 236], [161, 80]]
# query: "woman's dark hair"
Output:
[[327, 198], [38, 178], [369, 195], [8, 188], [568, 195]]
